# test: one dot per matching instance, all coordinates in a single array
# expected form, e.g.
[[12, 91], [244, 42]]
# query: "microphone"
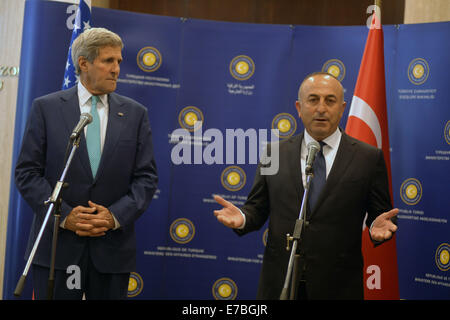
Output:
[[85, 119], [313, 147]]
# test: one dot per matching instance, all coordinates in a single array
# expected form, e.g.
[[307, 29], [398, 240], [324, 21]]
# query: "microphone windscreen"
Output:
[[313, 144], [88, 116]]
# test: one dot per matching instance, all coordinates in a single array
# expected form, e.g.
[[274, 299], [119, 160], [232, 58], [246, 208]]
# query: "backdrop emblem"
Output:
[[135, 285], [334, 67], [182, 230], [443, 257], [233, 178], [411, 191], [286, 125], [149, 59], [418, 71], [190, 117], [447, 132], [224, 289], [242, 67]]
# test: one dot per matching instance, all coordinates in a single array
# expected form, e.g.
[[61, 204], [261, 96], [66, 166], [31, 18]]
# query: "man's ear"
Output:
[[82, 62], [344, 105], [298, 107]]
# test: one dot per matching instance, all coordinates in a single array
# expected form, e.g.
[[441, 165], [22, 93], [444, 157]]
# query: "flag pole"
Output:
[[378, 4]]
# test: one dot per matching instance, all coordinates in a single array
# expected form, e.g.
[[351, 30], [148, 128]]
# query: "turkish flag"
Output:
[[367, 121]]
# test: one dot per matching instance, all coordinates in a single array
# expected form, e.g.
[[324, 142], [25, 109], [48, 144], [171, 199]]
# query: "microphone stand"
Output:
[[55, 201], [294, 258]]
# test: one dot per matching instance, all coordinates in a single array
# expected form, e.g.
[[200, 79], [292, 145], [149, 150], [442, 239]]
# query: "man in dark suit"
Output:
[[111, 180], [354, 183]]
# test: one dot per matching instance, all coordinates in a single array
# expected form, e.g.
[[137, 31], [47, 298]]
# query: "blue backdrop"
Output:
[[246, 76]]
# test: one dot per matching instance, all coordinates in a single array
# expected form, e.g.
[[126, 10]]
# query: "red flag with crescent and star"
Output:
[[367, 121]]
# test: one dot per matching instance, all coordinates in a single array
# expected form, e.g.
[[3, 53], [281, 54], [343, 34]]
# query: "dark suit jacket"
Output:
[[330, 248], [125, 183]]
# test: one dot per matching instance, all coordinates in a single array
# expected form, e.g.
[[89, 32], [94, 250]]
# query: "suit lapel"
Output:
[[71, 109], [295, 163], [71, 114], [116, 121], [341, 162]]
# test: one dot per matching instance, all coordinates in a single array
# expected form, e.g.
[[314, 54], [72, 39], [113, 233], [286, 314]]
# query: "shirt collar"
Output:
[[332, 140], [84, 95]]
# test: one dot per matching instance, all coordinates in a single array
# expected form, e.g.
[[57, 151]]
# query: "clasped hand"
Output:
[[85, 223]]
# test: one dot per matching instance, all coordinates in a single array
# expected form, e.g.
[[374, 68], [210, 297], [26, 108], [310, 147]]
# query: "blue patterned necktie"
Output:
[[93, 138], [320, 177]]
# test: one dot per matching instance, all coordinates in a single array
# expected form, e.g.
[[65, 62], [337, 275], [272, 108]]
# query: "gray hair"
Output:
[[90, 41]]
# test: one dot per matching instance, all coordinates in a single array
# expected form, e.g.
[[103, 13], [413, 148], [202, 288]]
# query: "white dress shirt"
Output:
[[329, 151]]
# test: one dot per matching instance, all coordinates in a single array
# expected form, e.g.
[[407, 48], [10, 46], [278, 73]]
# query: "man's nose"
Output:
[[116, 68], [322, 107]]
